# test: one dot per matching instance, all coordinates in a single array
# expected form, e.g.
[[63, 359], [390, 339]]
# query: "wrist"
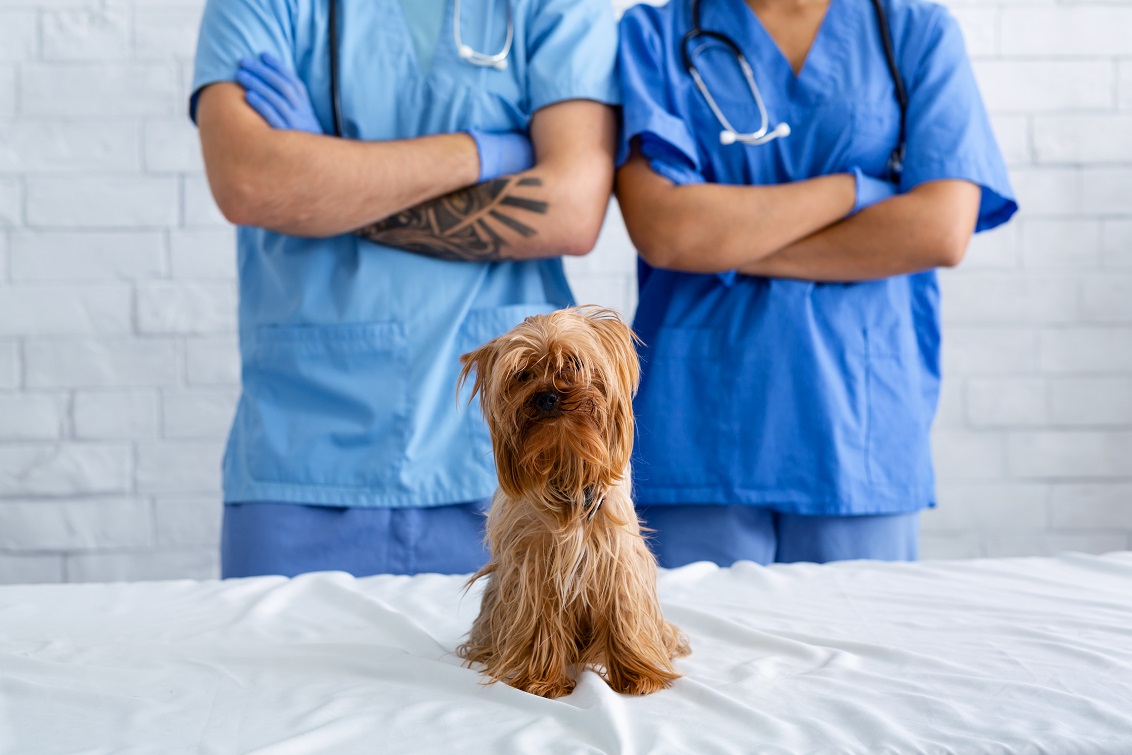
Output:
[[464, 156], [849, 184], [869, 190], [502, 154]]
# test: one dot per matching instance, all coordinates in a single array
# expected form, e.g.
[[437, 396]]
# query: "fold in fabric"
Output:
[[1007, 656]]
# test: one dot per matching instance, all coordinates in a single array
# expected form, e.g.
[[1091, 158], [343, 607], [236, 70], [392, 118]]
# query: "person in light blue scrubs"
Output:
[[405, 175], [789, 224]]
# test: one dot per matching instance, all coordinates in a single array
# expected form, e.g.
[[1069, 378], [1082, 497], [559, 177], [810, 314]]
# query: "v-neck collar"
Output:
[[444, 47], [424, 25], [754, 36]]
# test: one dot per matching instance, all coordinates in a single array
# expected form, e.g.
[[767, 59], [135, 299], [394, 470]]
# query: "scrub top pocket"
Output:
[[682, 427], [326, 405], [737, 418], [898, 429]]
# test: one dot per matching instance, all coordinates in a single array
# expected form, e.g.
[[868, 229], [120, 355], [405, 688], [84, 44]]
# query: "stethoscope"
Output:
[[731, 135], [466, 52]]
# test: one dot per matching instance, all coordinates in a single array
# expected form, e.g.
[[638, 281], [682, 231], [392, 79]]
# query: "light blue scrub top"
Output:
[[425, 19], [808, 398], [350, 349]]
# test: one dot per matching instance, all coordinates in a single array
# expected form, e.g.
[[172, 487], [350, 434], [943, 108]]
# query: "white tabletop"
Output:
[[1002, 656]]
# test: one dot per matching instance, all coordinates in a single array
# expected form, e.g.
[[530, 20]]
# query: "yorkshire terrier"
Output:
[[571, 583]]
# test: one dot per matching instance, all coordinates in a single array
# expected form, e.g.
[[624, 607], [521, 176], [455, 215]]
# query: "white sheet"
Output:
[[1024, 655]]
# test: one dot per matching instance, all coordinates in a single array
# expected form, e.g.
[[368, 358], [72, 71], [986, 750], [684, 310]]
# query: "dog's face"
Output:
[[557, 393]]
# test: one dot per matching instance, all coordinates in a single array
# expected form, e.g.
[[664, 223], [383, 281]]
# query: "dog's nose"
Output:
[[547, 401]]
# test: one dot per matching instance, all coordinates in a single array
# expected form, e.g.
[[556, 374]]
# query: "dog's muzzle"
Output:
[[547, 401]]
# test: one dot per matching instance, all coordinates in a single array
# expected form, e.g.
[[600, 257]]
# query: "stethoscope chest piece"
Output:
[[728, 136], [702, 38], [470, 55], [466, 52]]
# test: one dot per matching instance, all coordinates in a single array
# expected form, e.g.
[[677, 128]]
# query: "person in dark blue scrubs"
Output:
[[789, 217]]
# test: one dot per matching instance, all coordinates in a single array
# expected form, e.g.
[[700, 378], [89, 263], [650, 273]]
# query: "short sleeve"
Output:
[[572, 53], [949, 134], [234, 29], [645, 111]]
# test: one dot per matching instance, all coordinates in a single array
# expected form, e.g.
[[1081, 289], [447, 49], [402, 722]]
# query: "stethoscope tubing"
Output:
[[730, 135], [466, 52], [469, 54], [335, 101]]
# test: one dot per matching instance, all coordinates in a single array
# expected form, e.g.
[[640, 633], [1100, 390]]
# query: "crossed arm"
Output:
[[796, 230], [415, 194]]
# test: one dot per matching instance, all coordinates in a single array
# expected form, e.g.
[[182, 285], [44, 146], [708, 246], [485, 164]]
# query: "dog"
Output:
[[571, 583]]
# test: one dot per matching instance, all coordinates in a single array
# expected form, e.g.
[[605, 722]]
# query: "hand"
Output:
[[502, 154], [277, 94], [870, 191]]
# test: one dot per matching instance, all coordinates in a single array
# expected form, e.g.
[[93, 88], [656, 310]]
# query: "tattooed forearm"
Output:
[[467, 225]]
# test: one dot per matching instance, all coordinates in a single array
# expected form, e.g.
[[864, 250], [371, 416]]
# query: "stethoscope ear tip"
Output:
[[727, 137], [783, 129]]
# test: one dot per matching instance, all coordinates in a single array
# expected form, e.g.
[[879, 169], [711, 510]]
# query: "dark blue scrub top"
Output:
[[809, 398]]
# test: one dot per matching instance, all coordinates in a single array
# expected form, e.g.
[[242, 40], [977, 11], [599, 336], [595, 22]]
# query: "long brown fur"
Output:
[[571, 583]]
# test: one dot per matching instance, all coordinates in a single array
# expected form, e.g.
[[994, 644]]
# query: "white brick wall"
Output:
[[118, 371], [1039, 349]]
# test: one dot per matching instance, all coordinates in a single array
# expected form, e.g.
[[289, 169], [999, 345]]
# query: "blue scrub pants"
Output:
[[726, 534], [285, 538]]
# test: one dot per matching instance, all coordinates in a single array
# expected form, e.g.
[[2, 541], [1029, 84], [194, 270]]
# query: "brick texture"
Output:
[[118, 369]]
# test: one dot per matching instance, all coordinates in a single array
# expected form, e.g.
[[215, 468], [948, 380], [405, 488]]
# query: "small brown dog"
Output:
[[571, 583]]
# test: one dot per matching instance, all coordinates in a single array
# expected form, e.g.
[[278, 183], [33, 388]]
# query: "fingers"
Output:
[[266, 110], [264, 93], [275, 64], [275, 75]]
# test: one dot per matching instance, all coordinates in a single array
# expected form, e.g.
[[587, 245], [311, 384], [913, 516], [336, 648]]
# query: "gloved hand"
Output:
[[871, 190], [277, 94], [502, 154]]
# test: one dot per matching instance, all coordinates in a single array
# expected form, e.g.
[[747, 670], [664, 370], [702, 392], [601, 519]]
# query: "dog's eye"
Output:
[[575, 362], [524, 376]]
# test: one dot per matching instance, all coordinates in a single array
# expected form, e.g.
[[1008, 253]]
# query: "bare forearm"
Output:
[[554, 209], [476, 224], [708, 228], [309, 185], [927, 228]]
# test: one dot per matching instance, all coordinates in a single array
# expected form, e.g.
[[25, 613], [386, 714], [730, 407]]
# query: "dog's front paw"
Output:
[[676, 642], [549, 688], [635, 683]]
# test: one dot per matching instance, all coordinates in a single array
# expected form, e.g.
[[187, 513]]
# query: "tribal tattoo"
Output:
[[465, 225]]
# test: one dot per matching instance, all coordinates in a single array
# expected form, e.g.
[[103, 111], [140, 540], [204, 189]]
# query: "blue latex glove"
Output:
[[871, 190], [502, 154], [277, 94]]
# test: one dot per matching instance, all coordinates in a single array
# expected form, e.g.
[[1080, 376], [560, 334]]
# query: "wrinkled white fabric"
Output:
[[996, 656]]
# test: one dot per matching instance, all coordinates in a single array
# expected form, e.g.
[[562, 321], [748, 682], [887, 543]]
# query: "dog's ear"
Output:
[[619, 342], [481, 361]]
